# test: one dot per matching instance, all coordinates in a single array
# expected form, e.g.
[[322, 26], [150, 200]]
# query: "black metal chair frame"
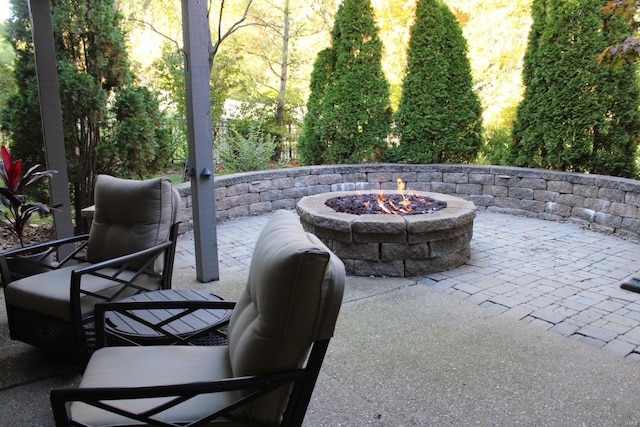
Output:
[[303, 380], [76, 339]]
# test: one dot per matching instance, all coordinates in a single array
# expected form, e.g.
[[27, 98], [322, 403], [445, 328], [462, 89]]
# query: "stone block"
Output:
[[496, 190], [631, 225], [220, 193], [367, 237], [598, 205], [282, 183], [238, 211], [443, 187], [507, 203], [624, 210], [534, 183], [586, 190], [571, 200], [329, 179], [283, 204], [259, 186], [468, 189], [608, 220], [343, 186], [546, 195], [560, 186], [306, 181], [632, 198], [482, 200], [447, 233], [367, 186], [361, 251], [318, 189], [354, 177], [558, 209], [332, 234], [271, 195], [521, 193], [380, 177], [584, 214], [396, 251], [612, 194], [260, 208], [440, 248], [236, 189], [533, 205], [481, 178], [295, 192], [457, 178], [430, 177]]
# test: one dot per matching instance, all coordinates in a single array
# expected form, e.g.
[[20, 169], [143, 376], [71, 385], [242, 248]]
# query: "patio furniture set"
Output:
[[156, 356]]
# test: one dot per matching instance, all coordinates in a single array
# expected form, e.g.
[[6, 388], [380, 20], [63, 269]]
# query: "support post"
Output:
[[196, 34], [51, 113]]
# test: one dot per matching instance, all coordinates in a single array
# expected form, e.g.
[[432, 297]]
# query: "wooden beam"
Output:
[[197, 38], [51, 113]]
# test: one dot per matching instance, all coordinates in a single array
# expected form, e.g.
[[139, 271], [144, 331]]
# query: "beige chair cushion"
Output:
[[292, 298], [130, 216], [152, 366], [50, 293]]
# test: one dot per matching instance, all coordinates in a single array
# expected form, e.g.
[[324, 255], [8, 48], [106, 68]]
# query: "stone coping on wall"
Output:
[[602, 203]]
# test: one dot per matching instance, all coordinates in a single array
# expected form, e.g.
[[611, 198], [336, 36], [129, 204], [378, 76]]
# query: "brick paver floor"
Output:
[[557, 276]]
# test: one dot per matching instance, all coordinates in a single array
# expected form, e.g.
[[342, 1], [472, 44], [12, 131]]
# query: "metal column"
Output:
[[196, 33]]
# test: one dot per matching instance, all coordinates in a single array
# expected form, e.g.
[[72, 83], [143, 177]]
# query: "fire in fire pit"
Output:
[[392, 204]]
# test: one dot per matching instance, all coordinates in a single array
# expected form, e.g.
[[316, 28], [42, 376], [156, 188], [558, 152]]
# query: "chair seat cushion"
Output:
[[135, 367], [50, 293]]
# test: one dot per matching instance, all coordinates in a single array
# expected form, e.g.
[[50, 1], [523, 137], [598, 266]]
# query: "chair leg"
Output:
[[301, 393]]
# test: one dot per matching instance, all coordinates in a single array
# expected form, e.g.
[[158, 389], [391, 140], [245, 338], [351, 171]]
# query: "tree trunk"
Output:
[[284, 68]]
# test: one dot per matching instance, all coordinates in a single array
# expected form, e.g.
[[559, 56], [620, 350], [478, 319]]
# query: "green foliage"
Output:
[[497, 139], [246, 152], [439, 119], [315, 138], [576, 116], [101, 134], [140, 145], [352, 111]]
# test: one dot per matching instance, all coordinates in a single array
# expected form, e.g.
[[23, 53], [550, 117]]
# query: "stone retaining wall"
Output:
[[602, 203]]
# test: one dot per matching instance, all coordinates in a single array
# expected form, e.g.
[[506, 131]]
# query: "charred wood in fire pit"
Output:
[[397, 204]]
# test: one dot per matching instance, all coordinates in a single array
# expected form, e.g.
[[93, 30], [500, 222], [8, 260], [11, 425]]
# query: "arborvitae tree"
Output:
[[355, 112], [576, 115], [93, 70], [439, 118], [314, 141]]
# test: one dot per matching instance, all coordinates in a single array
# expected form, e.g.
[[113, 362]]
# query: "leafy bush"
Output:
[[248, 151]]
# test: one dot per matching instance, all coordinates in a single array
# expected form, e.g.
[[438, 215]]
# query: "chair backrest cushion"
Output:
[[130, 216], [292, 298]]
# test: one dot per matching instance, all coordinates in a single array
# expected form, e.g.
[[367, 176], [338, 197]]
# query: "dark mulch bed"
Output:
[[368, 204], [32, 234]]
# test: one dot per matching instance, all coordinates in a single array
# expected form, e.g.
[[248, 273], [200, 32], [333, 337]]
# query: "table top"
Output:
[[186, 325]]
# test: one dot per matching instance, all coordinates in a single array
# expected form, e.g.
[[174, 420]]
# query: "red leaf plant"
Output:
[[15, 208]]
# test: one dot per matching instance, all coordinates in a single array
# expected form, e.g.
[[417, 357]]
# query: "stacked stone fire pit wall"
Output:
[[603, 203], [393, 245]]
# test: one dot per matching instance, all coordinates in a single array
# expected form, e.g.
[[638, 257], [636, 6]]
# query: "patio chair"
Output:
[[278, 334], [129, 249]]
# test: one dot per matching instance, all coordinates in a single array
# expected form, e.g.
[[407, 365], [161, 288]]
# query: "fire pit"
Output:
[[393, 245]]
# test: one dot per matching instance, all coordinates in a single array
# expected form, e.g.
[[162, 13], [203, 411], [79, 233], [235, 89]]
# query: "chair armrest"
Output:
[[138, 312], [42, 262], [104, 398], [112, 270]]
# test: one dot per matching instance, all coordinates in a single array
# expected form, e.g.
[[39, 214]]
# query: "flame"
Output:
[[403, 207]]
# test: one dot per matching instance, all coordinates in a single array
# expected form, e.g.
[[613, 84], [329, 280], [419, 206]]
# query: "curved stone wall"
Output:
[[602, 203]]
